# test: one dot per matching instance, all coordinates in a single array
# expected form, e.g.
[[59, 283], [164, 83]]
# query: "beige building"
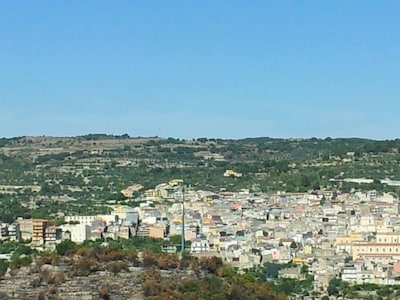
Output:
[[386, 243], [25, 227], [231, 173], [308, 249], [388, 237], [375, 249], [156, 232], [149, 230]]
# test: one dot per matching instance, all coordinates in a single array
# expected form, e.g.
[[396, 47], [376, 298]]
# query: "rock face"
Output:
[[58, 282]]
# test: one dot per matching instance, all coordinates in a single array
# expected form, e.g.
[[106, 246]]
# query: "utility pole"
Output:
[[183, 221]]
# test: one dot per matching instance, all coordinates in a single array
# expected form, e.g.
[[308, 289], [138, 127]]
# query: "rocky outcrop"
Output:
[[58, 282]]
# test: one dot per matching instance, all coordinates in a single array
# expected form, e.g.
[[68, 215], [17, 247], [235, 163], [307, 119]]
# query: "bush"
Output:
[[116, 267], [65, 247], [211, 264], [85, 266], [20, 261], [3, 267]]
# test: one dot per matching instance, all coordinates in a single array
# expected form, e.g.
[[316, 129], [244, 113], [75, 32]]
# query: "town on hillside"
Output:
[[356, 235], [307, 218]]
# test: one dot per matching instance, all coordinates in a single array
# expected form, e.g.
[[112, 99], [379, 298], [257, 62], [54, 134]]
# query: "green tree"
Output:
[[65, 246], [3, 266], [304, 269]]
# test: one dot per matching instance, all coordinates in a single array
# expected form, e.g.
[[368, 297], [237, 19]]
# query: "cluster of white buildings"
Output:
[[355, 235]]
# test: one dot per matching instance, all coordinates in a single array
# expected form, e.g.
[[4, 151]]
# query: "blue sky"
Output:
[[187, 69]]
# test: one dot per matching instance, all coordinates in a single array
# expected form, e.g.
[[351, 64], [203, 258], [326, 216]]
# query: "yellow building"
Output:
[[349, 239], [299, 261], [345, 243]]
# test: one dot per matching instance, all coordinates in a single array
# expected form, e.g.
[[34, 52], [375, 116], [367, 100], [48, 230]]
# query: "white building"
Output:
[[77, 232], [200, 246]]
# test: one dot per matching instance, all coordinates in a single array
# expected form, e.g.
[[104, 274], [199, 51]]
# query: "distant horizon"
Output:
[[191, 69], [193, 138]]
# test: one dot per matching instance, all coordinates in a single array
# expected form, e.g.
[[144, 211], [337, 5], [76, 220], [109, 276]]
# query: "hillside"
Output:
[[46, 175]]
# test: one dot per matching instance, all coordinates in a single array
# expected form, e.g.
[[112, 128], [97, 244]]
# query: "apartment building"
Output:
[[39, 230]]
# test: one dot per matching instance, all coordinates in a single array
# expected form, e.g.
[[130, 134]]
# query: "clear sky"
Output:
[[187, 69]]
